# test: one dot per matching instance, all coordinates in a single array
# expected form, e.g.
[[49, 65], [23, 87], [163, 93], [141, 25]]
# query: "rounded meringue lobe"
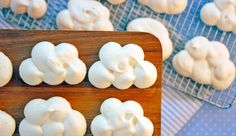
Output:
[[184, 67], [156, 28], [6, 69], [7, 124], [28, 129], [85, 15], [59, 64], [206, 62], [37, 8], [99, 76], [52, 117], [220, 13], [121, 119], [34, 8], [53, 129], [122, 67], [166, 6], [198, 48], [146, 74]]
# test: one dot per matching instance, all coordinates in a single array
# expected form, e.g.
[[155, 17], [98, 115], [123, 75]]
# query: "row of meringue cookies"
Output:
[[38, 8], [92, 15], [55, 117], [220, 13], [119, 66]]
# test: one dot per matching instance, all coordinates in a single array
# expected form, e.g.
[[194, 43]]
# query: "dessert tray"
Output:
[[83, 97], [188, 24]]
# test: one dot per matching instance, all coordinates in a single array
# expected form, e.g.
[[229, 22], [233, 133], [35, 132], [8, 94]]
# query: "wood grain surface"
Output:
[[17, 45]]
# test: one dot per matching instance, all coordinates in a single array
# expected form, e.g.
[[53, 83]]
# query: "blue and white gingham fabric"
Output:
[[211, 121]]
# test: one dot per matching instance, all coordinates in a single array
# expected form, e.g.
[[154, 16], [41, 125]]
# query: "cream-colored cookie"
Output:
[[166, 6], [220, 13], [206, 62], [156, 28], [121, 119], [52, 117], [6, 69], [34, 8], [85, 15], [5, 3], [122, 67], [7, 124], [53, 65], [115, 2]]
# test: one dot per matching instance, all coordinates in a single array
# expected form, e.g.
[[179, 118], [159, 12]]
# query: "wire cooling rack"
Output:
[[182, 28]]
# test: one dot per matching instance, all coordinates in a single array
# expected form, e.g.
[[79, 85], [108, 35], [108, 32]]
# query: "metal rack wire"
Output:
[[182, 28]]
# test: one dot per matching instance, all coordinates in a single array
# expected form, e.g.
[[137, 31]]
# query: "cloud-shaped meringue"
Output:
[[206, 62], [6, 69], [85, 15], [34, 8], [166, 6], [220, 13], [121, 119], [122, 67], [52, 117], [53, 65], [156, 28], [7, 124]]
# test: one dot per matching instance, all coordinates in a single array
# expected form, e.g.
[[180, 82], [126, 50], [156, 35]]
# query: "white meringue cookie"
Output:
[[53, 117], [166, 6], [122, 67], [60, 63], [7, 124], [34, 8], [6, 69], [121, 119], [85, 15], [156, 28], [115, 2], [206, 62], [220, 13]]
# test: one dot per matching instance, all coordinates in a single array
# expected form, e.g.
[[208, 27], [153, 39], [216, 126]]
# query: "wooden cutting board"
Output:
[[17, 45]]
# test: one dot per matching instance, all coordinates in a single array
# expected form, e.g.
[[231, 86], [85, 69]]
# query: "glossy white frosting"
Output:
[[115, 2], [6, 69], [34, 8], [220, 13], [85, 15], [122, 67], [7, 124], [52, 117], [166, 6], [121, 119], [156, 28], [206, 62], [53, 65]]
